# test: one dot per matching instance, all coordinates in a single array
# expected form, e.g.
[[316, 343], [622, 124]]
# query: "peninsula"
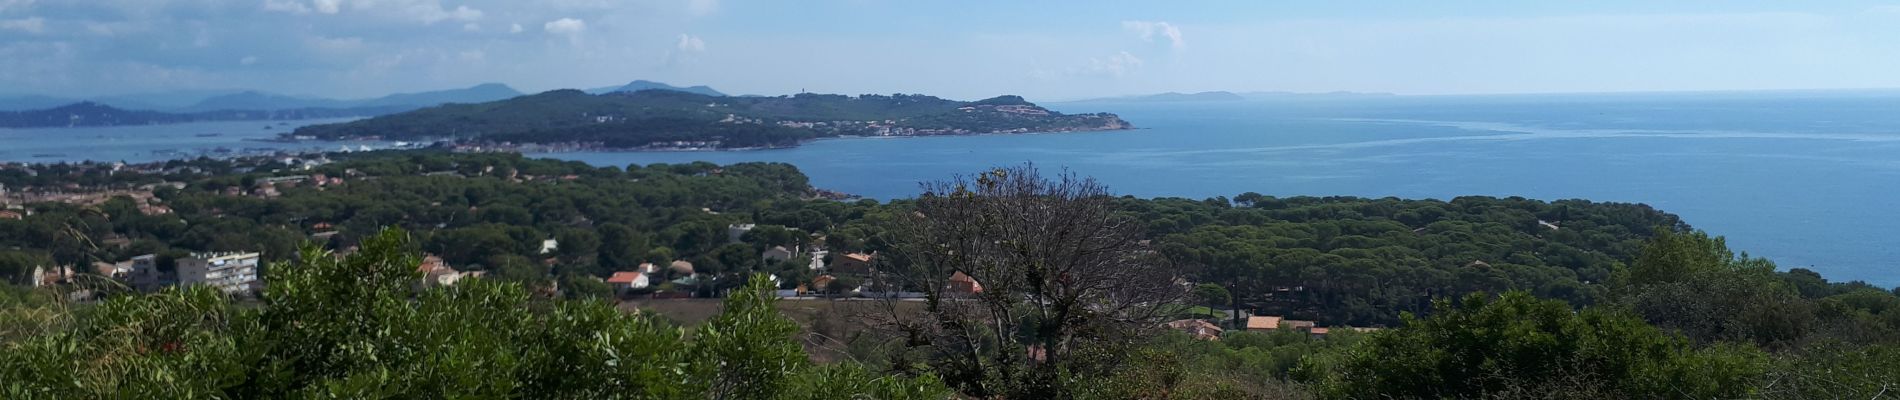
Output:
[[676, 120]]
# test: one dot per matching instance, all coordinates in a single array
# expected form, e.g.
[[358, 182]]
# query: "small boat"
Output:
[[210, 134]]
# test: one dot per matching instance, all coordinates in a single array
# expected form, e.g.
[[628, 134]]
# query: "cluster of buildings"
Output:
[[1205, 330], [234, 273]]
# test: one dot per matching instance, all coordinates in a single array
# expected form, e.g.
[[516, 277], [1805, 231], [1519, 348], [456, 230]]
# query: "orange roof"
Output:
[[960, 277], [624, 277], [430, 264], [859, 256], [1320, 330], [1263, 322]]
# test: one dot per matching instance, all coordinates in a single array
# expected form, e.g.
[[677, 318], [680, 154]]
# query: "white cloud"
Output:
[[514, 28], [34, 25], [569, 27], [247, 60], [1148, 30], [565, 26], [471, 27], [289, 6], [691, 44], [334, 44], [472, 56], [12, 4], [424, 11], [328, 6], [702, 7], [1117, 65], [432, 13]]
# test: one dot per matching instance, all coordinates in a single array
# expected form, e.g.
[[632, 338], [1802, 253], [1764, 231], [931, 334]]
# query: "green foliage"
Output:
[[750, 339], [1357, 261], [658, 117], [1692, 283], [1212, 294], [1517, 345], [353, 327], [1836, 371]]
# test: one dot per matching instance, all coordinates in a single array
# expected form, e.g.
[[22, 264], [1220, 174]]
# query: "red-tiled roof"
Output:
[[627, 277]]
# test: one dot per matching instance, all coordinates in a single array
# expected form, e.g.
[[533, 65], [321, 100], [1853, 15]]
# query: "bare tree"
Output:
[[1066, 283]]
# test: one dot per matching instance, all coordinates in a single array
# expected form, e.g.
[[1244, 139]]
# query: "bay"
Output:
[[143, 143], [1807, 179]]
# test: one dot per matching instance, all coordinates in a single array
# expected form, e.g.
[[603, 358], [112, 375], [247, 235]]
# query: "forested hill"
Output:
[[95, 114], [667, 119]]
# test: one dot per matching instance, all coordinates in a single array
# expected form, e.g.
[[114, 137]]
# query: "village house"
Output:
[[1271, 323], [435, 272], [1198, 329], [43, 277], [681, 268], [736, 231], [961, 284], [776, 254], [625, 281], [144, 274], [852, 263]]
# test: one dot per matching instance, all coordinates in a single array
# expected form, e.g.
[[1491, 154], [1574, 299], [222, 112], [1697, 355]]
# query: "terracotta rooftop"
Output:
[[624, 277]]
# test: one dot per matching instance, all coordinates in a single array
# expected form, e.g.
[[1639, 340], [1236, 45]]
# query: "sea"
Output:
[[1806, 179], [145, 143]]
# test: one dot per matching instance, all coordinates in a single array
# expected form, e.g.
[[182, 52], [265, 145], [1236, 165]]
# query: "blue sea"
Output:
[[143, 143], [1807, 179]]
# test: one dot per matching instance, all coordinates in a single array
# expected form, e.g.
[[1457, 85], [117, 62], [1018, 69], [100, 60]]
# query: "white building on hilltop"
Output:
[[232, 273]]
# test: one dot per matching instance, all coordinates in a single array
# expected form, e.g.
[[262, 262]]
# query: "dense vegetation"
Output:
[[1481, 297], [354, 328], [652, 117]]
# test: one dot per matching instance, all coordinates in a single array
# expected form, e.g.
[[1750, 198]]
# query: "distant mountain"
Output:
[[666, 119], [254, 100], [31, 102], [219, 105], [640, 85], [476, 94], [95, 114], [251, 100]]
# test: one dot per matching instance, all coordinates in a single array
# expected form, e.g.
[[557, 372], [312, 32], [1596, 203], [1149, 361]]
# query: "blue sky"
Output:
[[1046, 50]]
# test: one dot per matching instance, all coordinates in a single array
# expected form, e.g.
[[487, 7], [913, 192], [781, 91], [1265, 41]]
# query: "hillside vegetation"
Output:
[[1478, 297], [654, 118]]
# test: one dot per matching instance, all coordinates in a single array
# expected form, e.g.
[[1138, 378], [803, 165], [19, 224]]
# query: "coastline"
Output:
[[828, 138]]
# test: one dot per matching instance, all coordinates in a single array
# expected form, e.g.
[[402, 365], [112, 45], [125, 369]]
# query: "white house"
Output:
[[628, 280]]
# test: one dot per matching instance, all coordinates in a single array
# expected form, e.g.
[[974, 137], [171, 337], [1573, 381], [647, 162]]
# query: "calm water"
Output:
[[1808, 180], [153, 142]]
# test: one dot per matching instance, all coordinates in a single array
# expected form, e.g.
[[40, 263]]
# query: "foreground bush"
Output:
[[354, 328], [1517, 346]]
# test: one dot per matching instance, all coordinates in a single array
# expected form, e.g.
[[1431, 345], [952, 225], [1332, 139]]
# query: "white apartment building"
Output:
[[233, 273]]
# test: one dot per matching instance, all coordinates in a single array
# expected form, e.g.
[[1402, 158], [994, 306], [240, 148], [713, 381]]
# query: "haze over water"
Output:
[[1805, 179]]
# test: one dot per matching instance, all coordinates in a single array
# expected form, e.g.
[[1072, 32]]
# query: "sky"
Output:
[[967, 49]]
